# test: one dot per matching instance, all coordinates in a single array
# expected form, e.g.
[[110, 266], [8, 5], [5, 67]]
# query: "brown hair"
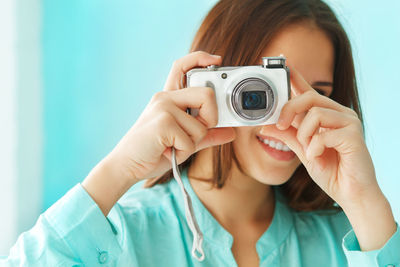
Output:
[[229, 29]]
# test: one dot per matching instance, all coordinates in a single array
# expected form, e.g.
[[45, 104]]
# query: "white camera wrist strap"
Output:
[[197, 249]]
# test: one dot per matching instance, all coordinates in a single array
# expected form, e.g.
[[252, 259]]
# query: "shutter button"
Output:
[[103, 257]]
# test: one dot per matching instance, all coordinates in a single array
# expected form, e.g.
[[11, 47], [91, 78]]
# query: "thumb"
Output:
[[217, 136]]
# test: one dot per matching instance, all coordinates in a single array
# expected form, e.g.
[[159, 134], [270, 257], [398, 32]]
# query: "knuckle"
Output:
[[165, 119], [158, 105], [352, 112], [315, 96], [310, 93], [315, 111], [176, 64], [202, 132], [287, 107], [158, 97], [354, 120], [200, 53], [299, 134], [358, 125]]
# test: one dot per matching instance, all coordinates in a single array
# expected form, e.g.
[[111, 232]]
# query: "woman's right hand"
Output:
[[145, 151]]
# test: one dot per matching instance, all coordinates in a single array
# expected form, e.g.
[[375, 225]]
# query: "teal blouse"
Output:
[[147, 227]]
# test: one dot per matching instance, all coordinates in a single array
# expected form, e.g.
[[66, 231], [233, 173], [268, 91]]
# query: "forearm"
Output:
[[106, 185], [372, 221]]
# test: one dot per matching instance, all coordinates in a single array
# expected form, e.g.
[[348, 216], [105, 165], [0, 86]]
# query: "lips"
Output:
[[276, 148]]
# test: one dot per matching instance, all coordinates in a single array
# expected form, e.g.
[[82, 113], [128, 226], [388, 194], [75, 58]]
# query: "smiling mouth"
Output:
[[273, 143], [276, 148]]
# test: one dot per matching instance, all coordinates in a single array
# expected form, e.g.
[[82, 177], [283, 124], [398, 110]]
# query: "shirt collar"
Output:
[[214, 233]]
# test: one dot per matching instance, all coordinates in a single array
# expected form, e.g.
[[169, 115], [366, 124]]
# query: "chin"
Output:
[[272, 176]]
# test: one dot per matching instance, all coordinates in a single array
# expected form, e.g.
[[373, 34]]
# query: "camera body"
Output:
[[245, 95]]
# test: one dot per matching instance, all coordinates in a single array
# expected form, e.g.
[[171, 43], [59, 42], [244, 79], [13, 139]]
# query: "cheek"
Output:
[[245, 138], [245, 144]]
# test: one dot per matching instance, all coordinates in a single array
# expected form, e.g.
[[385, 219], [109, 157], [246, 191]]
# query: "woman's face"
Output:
[[310, 51]]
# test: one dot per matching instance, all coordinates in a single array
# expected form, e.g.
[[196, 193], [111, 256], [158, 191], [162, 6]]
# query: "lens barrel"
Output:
[[252, 98]]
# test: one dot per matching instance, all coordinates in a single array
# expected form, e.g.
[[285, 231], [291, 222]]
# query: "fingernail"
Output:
[[262, 131], [280, 125], [308, 156], [216, 56]]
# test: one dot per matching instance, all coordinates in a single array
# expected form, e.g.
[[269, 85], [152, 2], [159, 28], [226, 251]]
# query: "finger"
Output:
[[298, 120], [214, 137], [217, 136], [193, 127], [288, 136], [298, 84], [321, 117], [303, 103], [342, 140], [168, 155], [166, 160], [202, 98], [176, 137], [184, 64]]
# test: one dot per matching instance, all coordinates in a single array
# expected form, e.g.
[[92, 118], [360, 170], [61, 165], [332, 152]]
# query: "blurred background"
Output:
[[75, 75]]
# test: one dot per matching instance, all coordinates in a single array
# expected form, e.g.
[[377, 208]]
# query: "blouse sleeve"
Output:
[[71, 232], [387, 256]]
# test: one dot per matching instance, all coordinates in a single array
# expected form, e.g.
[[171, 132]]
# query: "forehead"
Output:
[[307, 48]]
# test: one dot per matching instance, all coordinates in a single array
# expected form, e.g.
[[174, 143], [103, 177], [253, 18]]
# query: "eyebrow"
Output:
[[322, 83]]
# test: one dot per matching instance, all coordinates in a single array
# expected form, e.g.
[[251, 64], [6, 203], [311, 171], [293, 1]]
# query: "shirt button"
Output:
[[390, 265], [103, 257]]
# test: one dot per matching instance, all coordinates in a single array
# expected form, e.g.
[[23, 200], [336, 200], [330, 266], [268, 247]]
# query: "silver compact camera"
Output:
[[246, 95]]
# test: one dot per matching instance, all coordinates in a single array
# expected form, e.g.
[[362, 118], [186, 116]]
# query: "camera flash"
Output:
[[274, 61]]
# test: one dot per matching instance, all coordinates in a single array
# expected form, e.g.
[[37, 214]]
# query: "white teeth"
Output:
[[274, 144], [279, 146]]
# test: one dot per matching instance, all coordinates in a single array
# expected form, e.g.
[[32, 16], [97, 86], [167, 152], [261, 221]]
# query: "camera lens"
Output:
[[252, 100]]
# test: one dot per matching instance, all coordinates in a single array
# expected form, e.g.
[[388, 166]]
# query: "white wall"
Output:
[[20, 119], [29, 113], [8, 125]]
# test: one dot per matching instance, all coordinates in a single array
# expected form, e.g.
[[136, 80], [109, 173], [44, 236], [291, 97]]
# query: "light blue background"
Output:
[[103, 60]]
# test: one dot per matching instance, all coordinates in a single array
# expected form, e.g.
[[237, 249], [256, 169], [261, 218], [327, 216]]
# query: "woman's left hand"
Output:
[[328, 139]]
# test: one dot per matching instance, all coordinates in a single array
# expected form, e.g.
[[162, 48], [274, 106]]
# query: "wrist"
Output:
[[372, 221], [364, 201], [106, 185], [116, 169]]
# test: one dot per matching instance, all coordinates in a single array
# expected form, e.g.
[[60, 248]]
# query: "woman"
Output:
[[256, 204]]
